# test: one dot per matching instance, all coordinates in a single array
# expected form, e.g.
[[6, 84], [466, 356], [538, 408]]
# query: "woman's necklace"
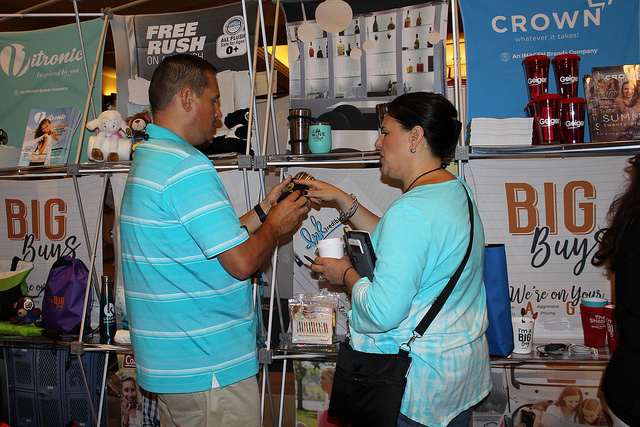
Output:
[[420, 176]]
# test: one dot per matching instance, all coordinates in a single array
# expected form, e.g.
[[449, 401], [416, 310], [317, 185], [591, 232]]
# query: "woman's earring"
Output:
[[413, 150]]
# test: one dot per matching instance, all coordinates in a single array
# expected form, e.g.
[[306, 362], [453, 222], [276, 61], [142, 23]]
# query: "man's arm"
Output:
[[245, 259]]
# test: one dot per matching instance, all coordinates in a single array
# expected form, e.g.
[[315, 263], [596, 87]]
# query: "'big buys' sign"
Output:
[[549, 213], [40, 221]]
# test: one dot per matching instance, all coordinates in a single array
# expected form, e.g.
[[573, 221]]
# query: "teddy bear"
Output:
[[136, 126], [27, 312], [235, 139], [109, 144]]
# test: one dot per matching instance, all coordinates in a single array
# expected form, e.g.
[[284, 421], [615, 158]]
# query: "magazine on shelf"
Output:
[[48, 137], [613, 103]]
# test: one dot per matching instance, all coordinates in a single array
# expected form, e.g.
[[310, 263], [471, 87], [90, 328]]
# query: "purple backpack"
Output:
[[64, 291]]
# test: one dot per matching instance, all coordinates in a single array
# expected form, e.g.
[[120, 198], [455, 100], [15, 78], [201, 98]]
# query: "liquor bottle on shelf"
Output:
[[324, 34], [418, 20], [349, 50], [340, 48], [319, 54], [409, 67], [356, 29], [375, 24], [391, 25], [420, 65], [407, 20], [416, 43], [311, 50]]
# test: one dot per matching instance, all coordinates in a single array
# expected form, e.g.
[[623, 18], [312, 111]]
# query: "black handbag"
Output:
[[368, 387]]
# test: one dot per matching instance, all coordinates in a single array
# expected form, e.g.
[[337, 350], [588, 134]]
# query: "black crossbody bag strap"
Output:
[[442, 298]]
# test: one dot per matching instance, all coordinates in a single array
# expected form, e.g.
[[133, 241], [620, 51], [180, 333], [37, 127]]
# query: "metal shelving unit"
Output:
[[564, 150]]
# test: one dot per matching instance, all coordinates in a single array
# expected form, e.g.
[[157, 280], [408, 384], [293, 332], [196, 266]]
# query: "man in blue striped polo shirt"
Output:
[[187, 257]]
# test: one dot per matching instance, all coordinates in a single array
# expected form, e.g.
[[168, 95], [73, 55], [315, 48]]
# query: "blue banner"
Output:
[[499, 35], [44, 69]]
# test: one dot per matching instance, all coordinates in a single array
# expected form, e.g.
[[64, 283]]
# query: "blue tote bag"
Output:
[[496, 282]]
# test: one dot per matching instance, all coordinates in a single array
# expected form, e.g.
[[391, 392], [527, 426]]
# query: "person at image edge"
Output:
[[187, 258], [619, 253]]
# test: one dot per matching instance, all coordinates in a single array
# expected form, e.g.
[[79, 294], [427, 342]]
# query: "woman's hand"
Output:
[[332, 269], [320, 191]]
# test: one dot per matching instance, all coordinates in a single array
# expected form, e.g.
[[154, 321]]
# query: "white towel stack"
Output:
[[485, 131]]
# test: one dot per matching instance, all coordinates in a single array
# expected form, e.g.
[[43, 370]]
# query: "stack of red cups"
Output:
[[558, 118]]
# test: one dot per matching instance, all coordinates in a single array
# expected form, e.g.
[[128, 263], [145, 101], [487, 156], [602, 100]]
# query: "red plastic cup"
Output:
[[594, 325], [567, 75], [529, 112], [612, 335], [536, 73], [573, 111], [547, 118]]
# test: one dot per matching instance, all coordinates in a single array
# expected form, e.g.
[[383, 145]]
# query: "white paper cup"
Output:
[[522, 335], [331, 248]]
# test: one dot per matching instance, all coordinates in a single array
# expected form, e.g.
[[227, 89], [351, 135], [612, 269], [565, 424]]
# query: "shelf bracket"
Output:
[[260, 162], [245, 161], [76, 348], [265, 356], [73, 169], [462, 153]]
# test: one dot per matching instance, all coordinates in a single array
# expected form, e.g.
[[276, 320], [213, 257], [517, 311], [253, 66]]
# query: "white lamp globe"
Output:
[[368, 45], [356, 54], [306, 32], [294, 52], [333, 16], [434, 37]]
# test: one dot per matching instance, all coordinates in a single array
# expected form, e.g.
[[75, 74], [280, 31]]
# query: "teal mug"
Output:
[[319, 137]]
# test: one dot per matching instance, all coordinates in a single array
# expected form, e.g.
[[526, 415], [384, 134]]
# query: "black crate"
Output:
[[20, 368], [46, 387]]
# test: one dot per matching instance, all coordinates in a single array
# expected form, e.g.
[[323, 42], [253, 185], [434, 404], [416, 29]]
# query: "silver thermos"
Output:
[[299, 120]]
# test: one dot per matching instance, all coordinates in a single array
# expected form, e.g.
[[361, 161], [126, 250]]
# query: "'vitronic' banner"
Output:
[[44, 70]]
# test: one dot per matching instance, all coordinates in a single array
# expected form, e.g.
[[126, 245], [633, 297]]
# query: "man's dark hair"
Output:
[[174, 73]]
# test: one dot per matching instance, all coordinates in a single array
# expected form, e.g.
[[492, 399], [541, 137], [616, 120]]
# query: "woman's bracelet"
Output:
[[344, 275], [344, 216], [260, 212]]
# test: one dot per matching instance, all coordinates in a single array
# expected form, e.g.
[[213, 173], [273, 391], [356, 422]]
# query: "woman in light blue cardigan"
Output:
[[419, 243]]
